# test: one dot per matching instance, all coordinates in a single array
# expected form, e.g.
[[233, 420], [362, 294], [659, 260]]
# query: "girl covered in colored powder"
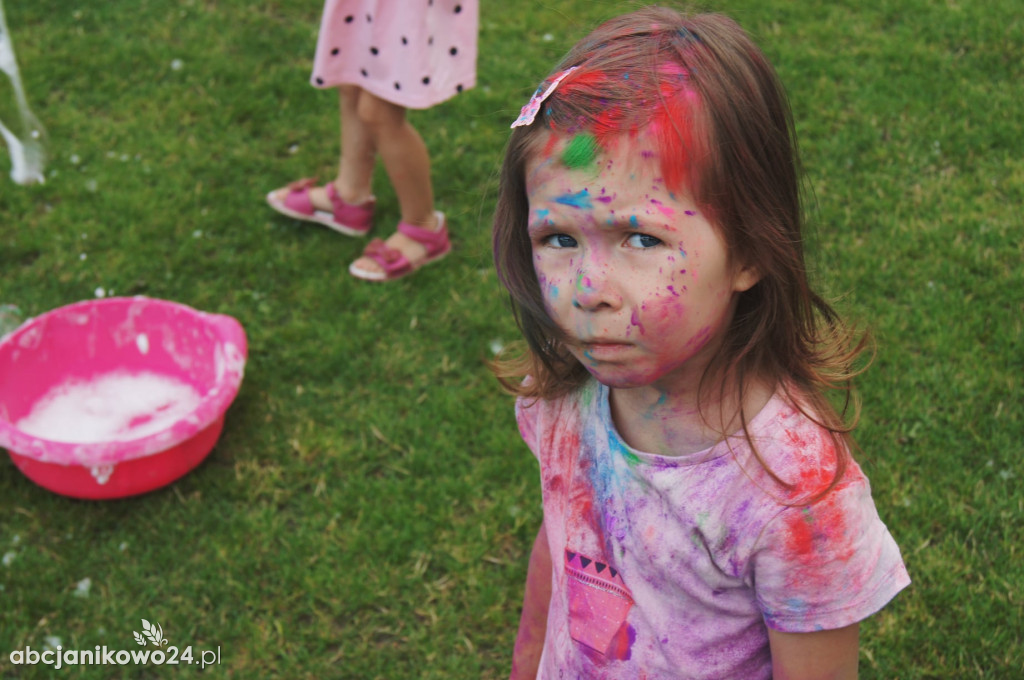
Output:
[[385, 57], [703, 517]]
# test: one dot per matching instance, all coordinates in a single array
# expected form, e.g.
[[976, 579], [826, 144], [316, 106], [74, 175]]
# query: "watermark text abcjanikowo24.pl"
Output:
[[161, 654]]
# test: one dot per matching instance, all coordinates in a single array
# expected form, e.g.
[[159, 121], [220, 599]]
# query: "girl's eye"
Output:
[[560, 241], [643, 241]]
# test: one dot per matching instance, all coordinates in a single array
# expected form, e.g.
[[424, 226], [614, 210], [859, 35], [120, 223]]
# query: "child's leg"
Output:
[[407, 162], [358, 156], [355, 168], [404, 156], [358, 152]]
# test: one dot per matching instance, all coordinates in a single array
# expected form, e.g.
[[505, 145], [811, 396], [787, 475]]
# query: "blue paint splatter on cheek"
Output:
[[578, 200]]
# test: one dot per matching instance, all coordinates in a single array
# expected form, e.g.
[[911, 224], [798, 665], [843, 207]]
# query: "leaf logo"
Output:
[[153, 632]]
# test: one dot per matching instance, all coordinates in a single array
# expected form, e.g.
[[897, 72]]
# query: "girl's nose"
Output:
[[595, 291]]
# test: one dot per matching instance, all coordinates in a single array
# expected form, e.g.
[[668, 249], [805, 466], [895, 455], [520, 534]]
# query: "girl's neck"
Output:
[[678, 423]]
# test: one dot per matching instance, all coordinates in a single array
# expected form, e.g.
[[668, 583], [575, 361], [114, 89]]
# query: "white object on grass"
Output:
[[27, 152]]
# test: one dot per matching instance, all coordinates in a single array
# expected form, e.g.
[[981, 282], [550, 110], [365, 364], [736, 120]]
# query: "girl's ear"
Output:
[[745, 278]]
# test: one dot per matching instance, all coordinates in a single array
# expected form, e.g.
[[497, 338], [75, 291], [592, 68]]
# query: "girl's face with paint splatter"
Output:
[[636, 276]]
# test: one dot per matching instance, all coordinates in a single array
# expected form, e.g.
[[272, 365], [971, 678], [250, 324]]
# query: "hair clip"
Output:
[[529, 112]]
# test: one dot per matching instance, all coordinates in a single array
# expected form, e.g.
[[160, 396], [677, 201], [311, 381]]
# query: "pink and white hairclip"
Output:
[[529, 112]]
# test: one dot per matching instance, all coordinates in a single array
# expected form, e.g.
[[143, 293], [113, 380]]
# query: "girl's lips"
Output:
[[604, 349]]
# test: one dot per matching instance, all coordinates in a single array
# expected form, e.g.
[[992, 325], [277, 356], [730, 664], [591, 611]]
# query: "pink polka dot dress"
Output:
[[414, 53]]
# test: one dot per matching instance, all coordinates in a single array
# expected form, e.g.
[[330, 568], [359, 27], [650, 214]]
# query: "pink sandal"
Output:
[[348, 219], [394, 263]]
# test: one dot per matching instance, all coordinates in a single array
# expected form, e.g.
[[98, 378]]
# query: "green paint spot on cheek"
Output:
[[580, 151]]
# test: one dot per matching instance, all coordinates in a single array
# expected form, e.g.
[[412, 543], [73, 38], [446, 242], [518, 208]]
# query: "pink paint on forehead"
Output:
[[662, 208]]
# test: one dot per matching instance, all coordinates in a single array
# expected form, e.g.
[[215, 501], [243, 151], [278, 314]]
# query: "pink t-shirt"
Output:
[[672, 567]]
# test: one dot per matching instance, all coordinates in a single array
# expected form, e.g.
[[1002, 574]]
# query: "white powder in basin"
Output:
[[112, 407]]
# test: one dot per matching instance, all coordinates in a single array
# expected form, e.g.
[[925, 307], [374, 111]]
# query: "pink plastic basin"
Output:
[[86, 341]]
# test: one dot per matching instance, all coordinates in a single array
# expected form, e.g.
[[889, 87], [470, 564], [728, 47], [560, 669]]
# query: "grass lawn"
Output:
[[369, 509]]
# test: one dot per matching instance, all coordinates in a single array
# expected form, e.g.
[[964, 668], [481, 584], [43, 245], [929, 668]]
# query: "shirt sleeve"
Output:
[[526, 418], [827, 565]]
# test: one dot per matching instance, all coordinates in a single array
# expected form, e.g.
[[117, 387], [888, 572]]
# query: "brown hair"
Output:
[[725, 131]]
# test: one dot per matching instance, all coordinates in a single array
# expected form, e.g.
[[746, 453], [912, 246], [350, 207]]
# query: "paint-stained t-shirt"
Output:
[[672, 567]]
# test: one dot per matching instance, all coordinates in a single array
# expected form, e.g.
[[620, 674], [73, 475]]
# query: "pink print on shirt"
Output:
[[598, 604]]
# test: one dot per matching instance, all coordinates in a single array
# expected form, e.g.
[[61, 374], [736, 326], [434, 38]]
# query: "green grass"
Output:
[[369, 508]]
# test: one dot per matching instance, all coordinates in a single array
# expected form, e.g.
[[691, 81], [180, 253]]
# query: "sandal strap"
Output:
[[391, 260], [434, 240], [304, 183], [297, 198], [358, 216]]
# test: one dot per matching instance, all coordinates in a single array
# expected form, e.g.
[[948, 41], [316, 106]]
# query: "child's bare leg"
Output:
[[358, 156], [404, 156], [407, 162], [358, 152]]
